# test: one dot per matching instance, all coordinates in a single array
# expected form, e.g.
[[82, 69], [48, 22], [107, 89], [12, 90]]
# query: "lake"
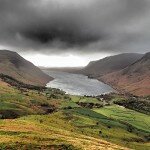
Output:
[[76, 84]]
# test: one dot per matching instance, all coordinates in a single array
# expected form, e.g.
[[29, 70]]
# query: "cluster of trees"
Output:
[[138, 104], [90, 105], [48, 108], [19, 84], [52, 93]]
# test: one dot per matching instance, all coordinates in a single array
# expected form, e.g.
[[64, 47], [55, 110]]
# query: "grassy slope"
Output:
[[139, 120], [46, 132], [111, 130], [27, 102], [40, 131], [65, 129], [137, 123], [85, 99]]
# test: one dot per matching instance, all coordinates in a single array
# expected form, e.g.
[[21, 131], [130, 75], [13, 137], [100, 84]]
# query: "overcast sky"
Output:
[[74, 32]]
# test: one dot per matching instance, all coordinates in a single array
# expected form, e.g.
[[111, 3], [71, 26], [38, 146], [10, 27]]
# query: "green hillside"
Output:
[[41, 118], [136, 119]]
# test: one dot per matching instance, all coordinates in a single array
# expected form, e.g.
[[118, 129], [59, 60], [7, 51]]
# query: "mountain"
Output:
[[135, 78], [14, 65], [109, 64]]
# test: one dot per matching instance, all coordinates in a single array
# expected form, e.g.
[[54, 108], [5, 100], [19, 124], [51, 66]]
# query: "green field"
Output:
[[112, 130], [85, 99], [136, 119]]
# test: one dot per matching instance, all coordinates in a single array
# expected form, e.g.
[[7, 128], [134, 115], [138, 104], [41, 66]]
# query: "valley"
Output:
[[36, 116], [74, 75]]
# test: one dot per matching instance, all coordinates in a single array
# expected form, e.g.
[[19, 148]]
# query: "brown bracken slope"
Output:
[[14, 65], [109, 64], [134, 79]]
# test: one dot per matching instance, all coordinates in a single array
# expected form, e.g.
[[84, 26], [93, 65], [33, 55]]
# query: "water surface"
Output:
[[77, 84]]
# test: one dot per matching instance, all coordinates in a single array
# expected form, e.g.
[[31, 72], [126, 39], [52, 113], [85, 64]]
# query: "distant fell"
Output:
[[135, 78], [110, 64], [12, 64]]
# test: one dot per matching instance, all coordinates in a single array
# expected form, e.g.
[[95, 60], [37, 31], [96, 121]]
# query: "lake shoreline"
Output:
[[78, 84]]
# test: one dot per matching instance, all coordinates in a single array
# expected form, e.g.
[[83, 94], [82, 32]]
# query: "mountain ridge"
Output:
[[110, 64], [12, 64], [134, 79]]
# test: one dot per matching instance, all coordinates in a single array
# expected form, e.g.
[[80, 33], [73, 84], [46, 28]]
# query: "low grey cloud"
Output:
[[87, 26]]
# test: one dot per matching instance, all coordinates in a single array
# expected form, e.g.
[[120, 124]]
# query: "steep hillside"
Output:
[[14, 65], [110, 64], [134, 79]]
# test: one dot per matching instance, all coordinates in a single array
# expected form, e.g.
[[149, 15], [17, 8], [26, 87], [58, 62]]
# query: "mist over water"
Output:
[[76, 84]]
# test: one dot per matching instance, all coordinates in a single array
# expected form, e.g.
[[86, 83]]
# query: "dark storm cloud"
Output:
[[82, 26]]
